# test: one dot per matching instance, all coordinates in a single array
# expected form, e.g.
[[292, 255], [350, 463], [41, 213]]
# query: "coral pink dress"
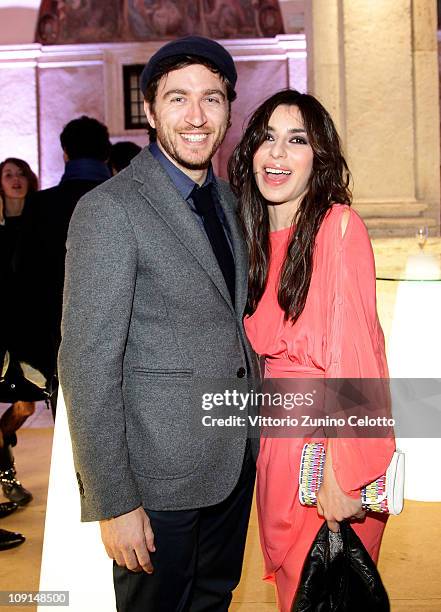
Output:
[[338, 335]]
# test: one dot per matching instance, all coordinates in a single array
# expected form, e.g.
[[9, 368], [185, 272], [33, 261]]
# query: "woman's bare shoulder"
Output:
[[345, 220]]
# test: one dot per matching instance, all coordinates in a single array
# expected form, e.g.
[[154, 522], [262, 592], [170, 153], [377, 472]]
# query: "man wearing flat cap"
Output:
[[156, 286]]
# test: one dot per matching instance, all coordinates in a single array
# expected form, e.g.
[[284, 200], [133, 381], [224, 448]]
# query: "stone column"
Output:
[[374, 67], [426, 97]]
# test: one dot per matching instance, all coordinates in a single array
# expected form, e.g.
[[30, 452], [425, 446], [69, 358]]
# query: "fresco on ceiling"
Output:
[[89, 21]]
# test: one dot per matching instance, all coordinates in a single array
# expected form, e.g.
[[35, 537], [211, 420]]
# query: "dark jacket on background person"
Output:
[[39, 261], [13, 384]]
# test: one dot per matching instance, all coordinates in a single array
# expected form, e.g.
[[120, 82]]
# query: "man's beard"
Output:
[[173, 151]]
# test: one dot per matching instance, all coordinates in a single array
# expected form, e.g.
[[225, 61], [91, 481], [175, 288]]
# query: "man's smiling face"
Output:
[[191, 115]]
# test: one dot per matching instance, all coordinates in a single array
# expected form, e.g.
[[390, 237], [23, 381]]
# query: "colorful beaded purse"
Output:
[[386, 494]]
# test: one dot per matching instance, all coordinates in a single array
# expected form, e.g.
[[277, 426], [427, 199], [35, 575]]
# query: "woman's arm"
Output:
[[355, 350], [332, 502]]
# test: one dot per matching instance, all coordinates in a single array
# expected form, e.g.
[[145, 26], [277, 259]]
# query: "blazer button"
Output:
[[241, 372]]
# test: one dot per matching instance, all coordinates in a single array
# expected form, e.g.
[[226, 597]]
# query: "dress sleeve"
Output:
[[355, 342]]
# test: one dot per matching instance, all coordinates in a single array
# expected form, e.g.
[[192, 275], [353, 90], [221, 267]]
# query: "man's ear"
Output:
[[65, 157], [149, 114]]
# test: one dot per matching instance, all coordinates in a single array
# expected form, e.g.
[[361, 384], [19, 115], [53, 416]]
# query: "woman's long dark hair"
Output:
[[328, 184]]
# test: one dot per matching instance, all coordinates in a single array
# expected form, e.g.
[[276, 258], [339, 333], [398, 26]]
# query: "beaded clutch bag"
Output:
[[386, 494]]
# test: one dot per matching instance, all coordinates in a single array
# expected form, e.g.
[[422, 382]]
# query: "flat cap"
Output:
[[198, 46]]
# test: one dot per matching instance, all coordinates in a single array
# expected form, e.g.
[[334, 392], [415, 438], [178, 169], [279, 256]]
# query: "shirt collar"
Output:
[[183, 183], [86, 169]]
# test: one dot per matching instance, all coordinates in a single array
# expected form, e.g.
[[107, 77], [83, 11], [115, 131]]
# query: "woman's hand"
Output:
[[332, 502]]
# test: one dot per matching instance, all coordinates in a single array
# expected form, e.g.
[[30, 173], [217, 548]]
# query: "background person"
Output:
[[17, 183], [121, 154], [41, 251], [311, 313]]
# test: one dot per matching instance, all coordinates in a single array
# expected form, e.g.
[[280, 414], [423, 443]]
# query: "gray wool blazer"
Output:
[[146, 314]]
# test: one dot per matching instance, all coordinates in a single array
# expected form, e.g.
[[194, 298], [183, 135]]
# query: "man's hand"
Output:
[[332, 502], [129, 539]]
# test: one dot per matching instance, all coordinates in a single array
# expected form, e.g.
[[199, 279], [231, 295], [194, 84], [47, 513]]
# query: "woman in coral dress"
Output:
[[311, 314]]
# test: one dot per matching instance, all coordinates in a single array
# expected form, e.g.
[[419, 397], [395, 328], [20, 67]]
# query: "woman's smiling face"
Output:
[[282, 165]]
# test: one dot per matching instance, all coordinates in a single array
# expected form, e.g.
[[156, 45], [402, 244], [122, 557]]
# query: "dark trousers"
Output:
[[198, 558]]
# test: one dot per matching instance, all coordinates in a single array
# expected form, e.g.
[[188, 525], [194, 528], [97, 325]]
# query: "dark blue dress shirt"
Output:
[[185, 185]]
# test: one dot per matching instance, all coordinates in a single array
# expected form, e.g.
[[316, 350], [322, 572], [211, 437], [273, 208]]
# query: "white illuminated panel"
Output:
[[73, 557], [414, 352]]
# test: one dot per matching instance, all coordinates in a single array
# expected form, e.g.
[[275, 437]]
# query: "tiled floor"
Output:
[[20, 567]]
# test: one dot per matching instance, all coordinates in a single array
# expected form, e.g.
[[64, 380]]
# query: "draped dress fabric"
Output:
[[338, 335]]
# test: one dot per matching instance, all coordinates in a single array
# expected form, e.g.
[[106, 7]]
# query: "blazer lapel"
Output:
[[157, 188], [240, 252]]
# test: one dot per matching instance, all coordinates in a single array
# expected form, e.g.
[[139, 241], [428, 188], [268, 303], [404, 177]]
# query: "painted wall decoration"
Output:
[[87, 21]]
